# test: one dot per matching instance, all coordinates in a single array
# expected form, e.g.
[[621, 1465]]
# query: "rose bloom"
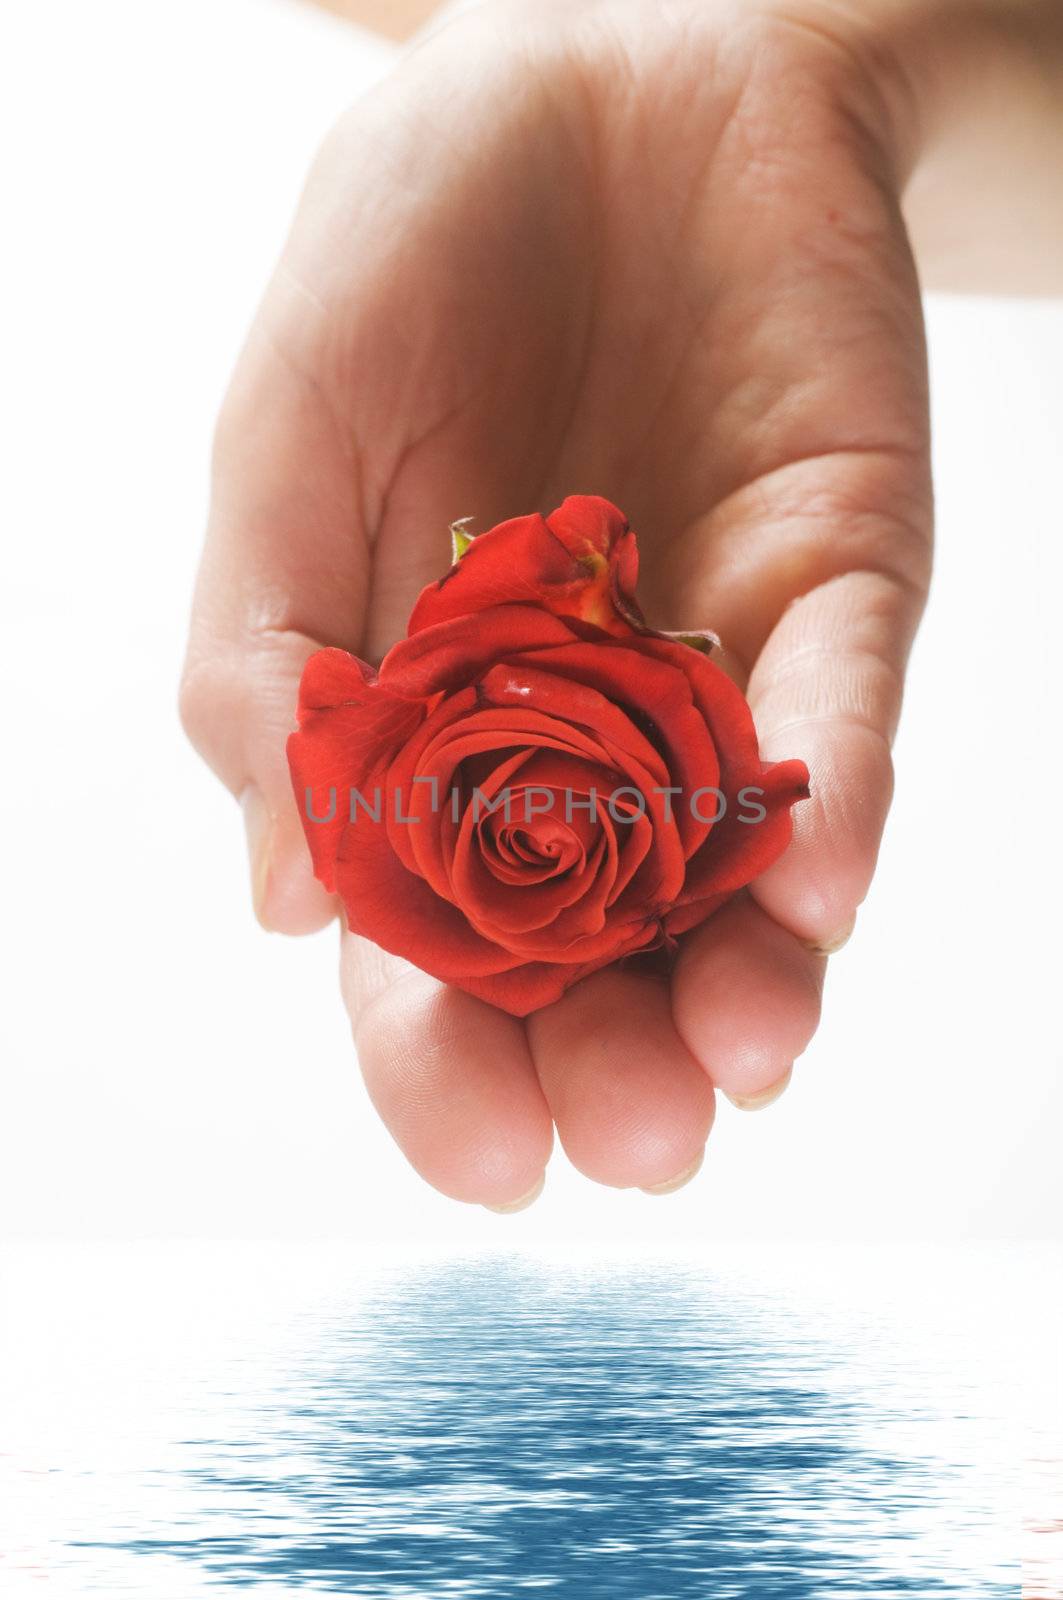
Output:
[[524, 791]]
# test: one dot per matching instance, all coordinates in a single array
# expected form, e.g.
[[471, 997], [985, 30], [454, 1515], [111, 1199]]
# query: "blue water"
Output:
[[489, 1427]]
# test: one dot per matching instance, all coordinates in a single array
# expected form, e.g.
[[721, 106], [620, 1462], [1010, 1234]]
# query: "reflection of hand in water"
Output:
[[596, 249]]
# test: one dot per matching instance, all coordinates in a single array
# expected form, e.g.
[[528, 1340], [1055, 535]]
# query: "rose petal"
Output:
[[735, 852], [632, 697], [453, 654], [428, 795], [507, 911], [581, 561], [527, 988], [400, 912], [738, 851], [539, 683], [344, 721]]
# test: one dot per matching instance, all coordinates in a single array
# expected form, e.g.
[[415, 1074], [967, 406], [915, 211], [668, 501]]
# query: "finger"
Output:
[[827, 688], [852, 537], [745, 998], [283, 571], [451, 1077], [813, 563], [632, 1106]]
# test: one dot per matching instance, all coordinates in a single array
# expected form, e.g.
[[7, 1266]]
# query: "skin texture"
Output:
[[655, 254], [986, 82]]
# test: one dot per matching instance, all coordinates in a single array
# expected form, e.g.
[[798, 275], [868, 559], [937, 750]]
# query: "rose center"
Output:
[[531, 849]]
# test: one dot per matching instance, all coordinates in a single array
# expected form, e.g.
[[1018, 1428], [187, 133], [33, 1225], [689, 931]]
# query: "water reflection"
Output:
[[486, 1427]]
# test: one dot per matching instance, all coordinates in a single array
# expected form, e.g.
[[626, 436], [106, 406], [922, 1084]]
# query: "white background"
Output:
[[167, 1067]]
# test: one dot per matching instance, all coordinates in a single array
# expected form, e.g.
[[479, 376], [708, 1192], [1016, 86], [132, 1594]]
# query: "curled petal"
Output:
[[643, 706], [525, 902], [402, 913], [581, 561]]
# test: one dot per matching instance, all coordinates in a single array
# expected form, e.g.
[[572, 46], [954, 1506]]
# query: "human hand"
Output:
[[653, 254]]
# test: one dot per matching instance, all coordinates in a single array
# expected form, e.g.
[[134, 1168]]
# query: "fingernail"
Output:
[[524, 1202], [757, 1102], [830, 947], [670, 1185], [259, 826]]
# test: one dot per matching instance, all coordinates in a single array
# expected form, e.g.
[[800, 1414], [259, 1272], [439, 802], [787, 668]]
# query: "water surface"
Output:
[[194, 1420]]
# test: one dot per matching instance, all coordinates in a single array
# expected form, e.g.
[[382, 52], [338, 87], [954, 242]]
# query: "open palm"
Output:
[[653, 257]]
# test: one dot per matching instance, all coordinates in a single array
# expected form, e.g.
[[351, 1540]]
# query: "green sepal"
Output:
[[460, 537]]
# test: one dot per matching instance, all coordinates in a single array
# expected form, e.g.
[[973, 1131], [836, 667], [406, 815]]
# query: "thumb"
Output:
[[283, 571], [237, 707]]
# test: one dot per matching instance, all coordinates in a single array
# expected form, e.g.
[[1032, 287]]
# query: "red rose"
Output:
[[534, 784]]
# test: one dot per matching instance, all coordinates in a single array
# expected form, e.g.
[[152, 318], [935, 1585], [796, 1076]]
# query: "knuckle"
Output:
[[201, 685], [211, 706]]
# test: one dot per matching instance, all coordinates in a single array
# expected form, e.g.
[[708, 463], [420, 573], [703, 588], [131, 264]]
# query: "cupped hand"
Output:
[[651, 253]]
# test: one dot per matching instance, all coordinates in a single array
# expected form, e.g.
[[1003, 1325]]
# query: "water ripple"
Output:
[[489, 1427]]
